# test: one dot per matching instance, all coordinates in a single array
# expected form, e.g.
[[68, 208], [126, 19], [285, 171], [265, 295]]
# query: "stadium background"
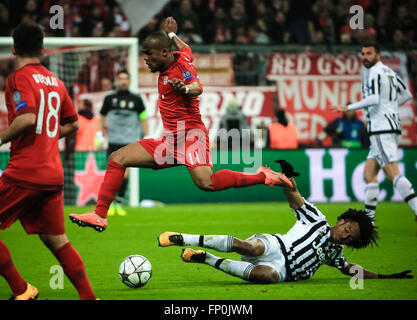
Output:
[[261, 55]]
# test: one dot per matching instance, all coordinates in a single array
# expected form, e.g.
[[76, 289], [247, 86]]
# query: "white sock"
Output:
[[240, 269], [406, 190], [371, 199], [216, 242]]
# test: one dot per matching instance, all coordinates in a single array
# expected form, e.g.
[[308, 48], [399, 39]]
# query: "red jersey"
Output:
[[35, 161], [173, 105]]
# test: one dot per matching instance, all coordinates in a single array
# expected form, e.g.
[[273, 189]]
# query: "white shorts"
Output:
[[384, 148], [272, 256]]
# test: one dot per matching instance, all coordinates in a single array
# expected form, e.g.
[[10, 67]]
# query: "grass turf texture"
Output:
[[173, 279]]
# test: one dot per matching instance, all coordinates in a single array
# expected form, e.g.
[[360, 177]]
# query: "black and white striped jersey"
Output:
[[307, 245], [385, 88]]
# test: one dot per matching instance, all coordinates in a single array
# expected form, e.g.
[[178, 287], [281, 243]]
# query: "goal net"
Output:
[[88, 67]]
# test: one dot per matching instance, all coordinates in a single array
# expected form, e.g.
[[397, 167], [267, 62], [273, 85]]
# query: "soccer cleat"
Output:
[[31, 293], [112, 210], [190, 255], [120, 211], [273, 178], [170, 239], [89, 219]]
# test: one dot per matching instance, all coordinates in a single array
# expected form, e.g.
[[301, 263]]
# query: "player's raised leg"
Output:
[[206, 180], [20, 288], [132, 155], [71, 263]]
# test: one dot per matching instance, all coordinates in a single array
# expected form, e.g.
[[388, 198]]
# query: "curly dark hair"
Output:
[[367, 234]]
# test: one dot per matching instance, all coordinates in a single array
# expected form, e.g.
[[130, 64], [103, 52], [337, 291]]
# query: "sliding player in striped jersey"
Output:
[[383, 92], [296, 255]]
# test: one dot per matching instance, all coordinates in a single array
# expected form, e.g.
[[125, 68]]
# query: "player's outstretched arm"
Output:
[[68, 128], [17, 127], [294, 197], [361, 273], [170, 26]]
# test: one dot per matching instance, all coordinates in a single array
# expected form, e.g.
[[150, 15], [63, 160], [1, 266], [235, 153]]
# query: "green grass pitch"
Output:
[[173, 279]]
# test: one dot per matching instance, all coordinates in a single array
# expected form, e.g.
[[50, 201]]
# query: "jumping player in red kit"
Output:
[[185, 140], [40, 112]]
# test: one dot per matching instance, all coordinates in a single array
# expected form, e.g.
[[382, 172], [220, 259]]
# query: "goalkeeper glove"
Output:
[[401, 275], [287, 169], [99, 140]]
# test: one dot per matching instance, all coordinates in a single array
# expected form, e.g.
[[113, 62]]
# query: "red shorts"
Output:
[[191, 150], [38, 211]]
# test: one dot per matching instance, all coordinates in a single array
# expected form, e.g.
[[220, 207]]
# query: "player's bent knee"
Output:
[[54, 242], [117, 156], [251, 248], [204, 185], [263, 275]]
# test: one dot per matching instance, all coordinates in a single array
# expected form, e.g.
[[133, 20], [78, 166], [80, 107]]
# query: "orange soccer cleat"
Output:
[[191, 255], [89, 219], [273, 178], [170, 239], [31, 293]]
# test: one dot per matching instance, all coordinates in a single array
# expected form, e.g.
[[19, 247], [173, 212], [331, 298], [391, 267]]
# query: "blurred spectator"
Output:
[[5, 28], [256, 36], [345, 37], [398, 37], [278, 30], [241, 35], [233, 119], [106, 84], [282, 134], [346, 131], [205, 17], [264, 18], [120, 21], [188, 34], [237, 17], [87, 131], [32, 11], [99, 65], [300, 21], [245, 67], [304, 22], [222, 27], [324, 25], [146, 30], [2, 83], [186, 12]]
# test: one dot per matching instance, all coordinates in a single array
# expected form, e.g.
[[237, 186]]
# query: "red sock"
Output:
[[111, 184], [9, 271], [74, 268], [225, 179]]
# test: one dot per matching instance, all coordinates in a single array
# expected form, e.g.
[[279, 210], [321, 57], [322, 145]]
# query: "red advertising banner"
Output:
[[308, 83]]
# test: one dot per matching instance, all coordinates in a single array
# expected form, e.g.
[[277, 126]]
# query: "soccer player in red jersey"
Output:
[[185, 140], [40, 112]]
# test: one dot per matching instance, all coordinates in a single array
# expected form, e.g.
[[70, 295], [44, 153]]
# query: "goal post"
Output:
[[68, 55]]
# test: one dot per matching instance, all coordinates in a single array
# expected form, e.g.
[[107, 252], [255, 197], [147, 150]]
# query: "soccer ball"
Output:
[[135, 271]]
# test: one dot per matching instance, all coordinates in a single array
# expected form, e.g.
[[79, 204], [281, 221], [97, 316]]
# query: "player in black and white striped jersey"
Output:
[[296, 255], [383, 92]]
